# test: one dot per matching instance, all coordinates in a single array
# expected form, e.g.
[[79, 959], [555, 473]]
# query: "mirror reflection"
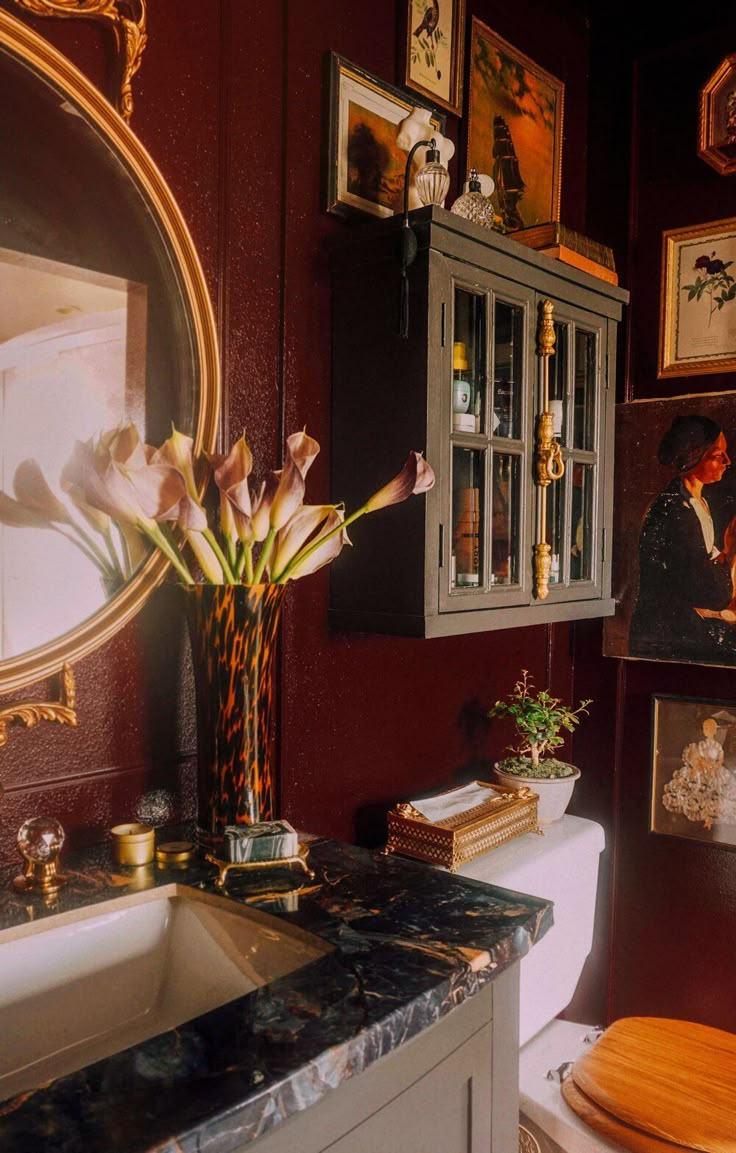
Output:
[[104, 320]]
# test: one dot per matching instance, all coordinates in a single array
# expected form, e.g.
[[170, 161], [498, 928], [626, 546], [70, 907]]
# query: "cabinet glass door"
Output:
[[574, 384], [489, 451]]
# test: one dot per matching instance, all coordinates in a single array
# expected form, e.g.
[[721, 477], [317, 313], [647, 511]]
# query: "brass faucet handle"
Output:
[[40, 840]]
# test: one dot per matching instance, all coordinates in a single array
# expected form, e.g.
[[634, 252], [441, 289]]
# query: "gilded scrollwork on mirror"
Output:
[[29, 713], [105, 320], [128, 20]]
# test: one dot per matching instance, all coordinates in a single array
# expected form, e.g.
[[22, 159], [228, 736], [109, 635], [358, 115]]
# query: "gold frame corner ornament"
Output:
[[29, 713], [128, 20]]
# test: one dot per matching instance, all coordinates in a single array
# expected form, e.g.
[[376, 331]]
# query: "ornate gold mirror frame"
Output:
[[128, 20], [38, 55]]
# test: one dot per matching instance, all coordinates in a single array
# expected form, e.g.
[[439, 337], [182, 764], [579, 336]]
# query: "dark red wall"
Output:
[[230, 102], [674, 929]]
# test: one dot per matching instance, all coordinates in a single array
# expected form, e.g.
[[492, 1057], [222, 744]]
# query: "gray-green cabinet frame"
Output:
[[391, 395]]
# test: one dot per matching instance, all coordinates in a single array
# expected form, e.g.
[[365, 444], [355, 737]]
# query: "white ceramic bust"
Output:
[[416, 126]]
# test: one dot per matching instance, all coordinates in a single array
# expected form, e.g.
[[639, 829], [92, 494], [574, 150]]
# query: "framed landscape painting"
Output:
[[693, 776], [674, 546], [515, 129], [365, 166]]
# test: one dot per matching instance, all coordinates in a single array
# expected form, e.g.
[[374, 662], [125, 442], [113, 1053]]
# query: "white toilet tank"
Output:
[[561, 866]]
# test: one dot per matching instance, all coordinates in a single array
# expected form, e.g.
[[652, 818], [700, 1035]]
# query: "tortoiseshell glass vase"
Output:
[[233, 631]]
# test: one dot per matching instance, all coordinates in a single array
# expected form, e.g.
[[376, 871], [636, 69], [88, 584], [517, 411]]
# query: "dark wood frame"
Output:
[[456, 9], [335, 191], [656, 781]]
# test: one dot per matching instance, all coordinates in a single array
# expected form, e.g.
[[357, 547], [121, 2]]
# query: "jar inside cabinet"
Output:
[[518, 428]]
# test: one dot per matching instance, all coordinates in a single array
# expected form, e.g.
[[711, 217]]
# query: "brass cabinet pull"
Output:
[[550, 466]]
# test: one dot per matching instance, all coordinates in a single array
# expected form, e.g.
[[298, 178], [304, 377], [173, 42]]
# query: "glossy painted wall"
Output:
[[230, 102]]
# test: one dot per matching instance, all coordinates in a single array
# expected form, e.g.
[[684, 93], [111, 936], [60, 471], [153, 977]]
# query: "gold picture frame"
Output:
[[365, 166], [717, 119], [515, 129], [434, 46], [697, 328], [693, 769]]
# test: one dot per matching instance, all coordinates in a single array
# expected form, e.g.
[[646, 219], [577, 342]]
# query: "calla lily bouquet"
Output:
[[266, 533]]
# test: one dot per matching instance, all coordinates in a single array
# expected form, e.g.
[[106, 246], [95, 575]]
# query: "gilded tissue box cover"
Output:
[[455, 840]]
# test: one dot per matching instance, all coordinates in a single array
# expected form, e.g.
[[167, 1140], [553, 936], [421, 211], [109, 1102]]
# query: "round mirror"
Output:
[[105, 320]]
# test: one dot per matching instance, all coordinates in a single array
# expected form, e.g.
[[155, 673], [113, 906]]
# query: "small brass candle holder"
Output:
[[132, 844]]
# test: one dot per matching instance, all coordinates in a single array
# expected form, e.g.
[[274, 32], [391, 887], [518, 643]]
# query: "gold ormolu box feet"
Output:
[[455, 840]]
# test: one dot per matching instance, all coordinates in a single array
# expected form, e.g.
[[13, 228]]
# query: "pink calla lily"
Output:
[[18, 515], [266, 532], [323, 547], [32, 489], [301, 451], [416, 476], [306, 525], [231, 474]]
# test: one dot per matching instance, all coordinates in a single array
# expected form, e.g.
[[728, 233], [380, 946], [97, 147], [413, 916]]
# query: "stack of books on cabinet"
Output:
[[563, 243]]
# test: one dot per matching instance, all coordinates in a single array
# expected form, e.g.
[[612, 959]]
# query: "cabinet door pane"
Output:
[[555, 506], [585, 385], [506, 510], [468, 503], [581, 547], [558, 371], [468, 361], [508, 369]]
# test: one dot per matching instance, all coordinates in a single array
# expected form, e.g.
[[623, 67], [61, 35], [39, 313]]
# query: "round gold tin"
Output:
[[175, 852], [132, 844]]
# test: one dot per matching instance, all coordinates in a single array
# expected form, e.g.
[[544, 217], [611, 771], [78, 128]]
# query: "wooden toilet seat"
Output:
[[609, 1126], [673, 1082]]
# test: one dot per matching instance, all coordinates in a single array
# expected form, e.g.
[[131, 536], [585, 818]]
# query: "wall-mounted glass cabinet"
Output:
[[506, 382]]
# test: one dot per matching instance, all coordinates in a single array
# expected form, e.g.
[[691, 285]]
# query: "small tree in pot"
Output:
[[539, 719]]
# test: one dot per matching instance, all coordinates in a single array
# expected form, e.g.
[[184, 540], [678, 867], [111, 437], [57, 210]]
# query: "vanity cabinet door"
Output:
[[452, 1089]]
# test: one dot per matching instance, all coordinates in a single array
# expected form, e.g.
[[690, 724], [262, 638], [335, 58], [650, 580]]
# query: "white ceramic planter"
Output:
[[554, 792]]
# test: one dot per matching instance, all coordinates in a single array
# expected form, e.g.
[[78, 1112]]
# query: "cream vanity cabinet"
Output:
[[453, 1088], [505, 380]]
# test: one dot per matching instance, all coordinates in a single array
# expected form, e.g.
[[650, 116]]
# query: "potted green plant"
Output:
[[539, 719]]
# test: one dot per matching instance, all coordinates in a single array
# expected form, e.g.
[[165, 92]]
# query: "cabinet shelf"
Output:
[[468, 556]]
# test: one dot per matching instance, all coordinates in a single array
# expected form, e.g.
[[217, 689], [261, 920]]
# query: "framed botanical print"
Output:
[[515, 129], [365, 166], [434, 39], [693, 771], [674, 532], [697, 322]]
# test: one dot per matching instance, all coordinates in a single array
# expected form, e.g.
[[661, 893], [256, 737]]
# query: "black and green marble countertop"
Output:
[[407, 942]]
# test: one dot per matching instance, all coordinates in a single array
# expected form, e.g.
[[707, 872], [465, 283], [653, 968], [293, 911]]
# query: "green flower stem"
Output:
[[94, 548], [263, 558], [98, 559], [315, 544], [214, 544], [169, 550]]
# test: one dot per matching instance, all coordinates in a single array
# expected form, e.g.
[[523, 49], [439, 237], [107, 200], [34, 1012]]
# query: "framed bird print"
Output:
[[515, 129], [434, 40]]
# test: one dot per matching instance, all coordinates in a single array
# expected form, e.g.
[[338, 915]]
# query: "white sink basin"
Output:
[[83, 985]]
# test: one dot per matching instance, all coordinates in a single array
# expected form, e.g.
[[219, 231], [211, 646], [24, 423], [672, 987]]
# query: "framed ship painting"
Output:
[[693, 780], [674, 549], [515, 129]]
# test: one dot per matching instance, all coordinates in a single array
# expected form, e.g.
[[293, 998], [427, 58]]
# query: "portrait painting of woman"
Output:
[[675, 546]]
